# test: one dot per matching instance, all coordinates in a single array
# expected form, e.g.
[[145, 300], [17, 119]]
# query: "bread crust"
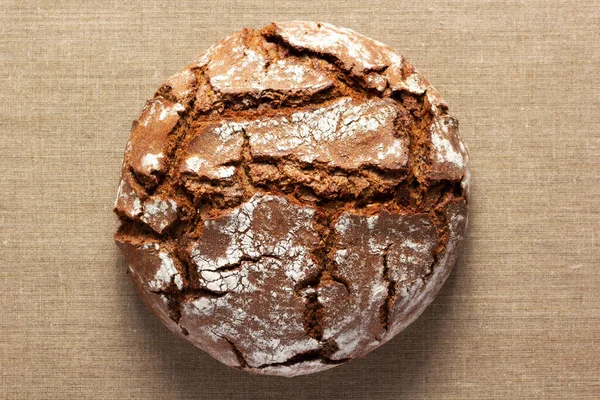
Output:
[[293, 198]]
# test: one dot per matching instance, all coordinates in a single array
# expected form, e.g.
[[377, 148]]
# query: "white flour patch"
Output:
[[225, 172], [437, 104], [205, 306], [414, 84], [379, 292], [120, 193], [194, 163], [158, 207], [164, 113], [371, 221], [242, 243], [159, 213], [166, 274], [151, 161], [228, 280], [228, 129], [397, 147], [375, 247], [413, 245], [137, 207], [444, 149], [340, 256], [466, 181], [343, 223]]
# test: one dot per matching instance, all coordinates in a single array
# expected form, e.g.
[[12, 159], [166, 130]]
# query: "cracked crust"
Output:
[[293, 198]]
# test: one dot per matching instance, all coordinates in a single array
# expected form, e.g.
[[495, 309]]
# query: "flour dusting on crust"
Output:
[[263, 241], [325, 134], [373, 253], [448, 153], [328, 133], [356, 53], [235, 68]]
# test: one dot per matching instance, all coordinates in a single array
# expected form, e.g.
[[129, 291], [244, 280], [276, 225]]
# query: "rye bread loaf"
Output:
[[293, 198]]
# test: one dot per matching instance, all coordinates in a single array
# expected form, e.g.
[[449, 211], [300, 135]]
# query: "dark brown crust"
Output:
[[426, 184]]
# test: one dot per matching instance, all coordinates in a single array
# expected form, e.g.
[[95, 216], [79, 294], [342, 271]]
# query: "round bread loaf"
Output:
[[293, 198]]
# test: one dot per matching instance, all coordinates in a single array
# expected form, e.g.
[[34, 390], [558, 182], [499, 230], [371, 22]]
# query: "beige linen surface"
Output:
[[518, 319]]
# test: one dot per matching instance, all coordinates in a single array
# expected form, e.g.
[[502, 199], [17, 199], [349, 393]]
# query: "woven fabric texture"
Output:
[[520, 314]]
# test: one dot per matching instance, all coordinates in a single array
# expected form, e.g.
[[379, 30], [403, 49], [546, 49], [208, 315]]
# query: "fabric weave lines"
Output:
[[519, 316]]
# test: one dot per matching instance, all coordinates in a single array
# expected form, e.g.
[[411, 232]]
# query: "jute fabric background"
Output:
[[518, 319]]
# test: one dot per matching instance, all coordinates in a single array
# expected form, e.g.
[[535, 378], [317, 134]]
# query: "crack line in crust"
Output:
[[274, 98], [322, 256], [384, 311], [239, 355], [442, 225], [176, 298], [321, 354], [343, 76], [180, 131]]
